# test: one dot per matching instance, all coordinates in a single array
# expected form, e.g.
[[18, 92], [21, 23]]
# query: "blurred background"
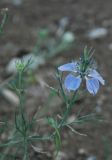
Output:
[[56, 32]]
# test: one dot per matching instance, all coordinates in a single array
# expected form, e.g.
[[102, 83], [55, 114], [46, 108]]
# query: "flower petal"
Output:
[[72, 83], [93, 73], [68, 67], [92, 85]]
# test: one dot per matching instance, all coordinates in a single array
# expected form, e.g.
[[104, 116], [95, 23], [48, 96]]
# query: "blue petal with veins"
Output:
[[93, 73], [68, 67], [72, 83], [92, 85]]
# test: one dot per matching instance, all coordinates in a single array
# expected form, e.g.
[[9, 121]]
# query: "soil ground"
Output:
[[20, 34]]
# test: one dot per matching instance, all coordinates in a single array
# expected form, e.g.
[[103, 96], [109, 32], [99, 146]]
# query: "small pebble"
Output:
[[98, 109], [92, 158], [10, 96], [110, 46], [82, 151], [97, 33], [17, 2], [64, 22], [61, 155], [71, 119]]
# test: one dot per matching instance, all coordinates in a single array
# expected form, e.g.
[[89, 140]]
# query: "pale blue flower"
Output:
[[73, 80]]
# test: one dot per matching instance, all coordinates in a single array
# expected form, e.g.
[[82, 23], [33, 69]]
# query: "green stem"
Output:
[[68, 110], [21, 105], [26, 156], [21, 114], [5, 16], [62, 90]]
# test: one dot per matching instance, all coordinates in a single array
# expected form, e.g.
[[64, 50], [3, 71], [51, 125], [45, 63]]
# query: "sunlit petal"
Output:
[[68, 67], [93, 73], [72, 83]]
